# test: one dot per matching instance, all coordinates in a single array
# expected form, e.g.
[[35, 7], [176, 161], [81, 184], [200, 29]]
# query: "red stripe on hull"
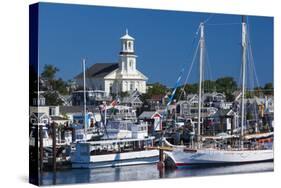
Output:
[[182, 164]]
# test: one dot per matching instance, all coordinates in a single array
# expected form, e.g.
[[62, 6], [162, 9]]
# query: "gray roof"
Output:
[[147, 114], [99, 70], [221, 112], [131, 100], [182, 102], [77, 109]]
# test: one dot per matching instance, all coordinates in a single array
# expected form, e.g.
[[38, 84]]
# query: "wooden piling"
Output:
[[161, 164], [54, 148], [161, 153]]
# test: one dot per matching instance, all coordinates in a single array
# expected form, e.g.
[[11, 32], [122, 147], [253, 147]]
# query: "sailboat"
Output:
[[83, 131], [199, 155]]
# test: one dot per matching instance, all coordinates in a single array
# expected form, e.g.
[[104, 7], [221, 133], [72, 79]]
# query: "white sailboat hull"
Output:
[[214, 156]]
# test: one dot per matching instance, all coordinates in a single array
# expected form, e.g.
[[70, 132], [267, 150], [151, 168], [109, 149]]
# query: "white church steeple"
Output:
[[127, 43], [127, 62]]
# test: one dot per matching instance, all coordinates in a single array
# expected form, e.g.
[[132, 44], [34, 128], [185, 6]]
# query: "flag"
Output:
[[113, 103]]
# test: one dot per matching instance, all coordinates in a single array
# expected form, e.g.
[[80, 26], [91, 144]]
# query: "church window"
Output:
[[125, 47], [129, 44]]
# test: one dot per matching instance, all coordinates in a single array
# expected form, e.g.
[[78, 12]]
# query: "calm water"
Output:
[[144, 172]]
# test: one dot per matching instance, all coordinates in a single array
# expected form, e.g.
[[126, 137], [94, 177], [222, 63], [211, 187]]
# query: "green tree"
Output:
[[52, 98], [157, 89], [49, 75], [49, 72], [154, 89], [268, 89], [209, 86], [249, 116], [191, 88], [60, 86], [226, 85], [124, 94]]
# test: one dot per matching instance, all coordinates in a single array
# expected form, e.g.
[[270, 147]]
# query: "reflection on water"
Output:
[[144, 172]]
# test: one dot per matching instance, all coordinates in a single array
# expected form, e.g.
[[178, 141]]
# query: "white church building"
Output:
[[116, 77]]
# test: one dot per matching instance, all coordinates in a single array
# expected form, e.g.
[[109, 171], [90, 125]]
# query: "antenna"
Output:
[[243, 19]]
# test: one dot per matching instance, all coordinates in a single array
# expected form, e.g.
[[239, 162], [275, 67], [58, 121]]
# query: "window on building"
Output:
[[35, 101], [110, 88], [129, 45], [52, 111]]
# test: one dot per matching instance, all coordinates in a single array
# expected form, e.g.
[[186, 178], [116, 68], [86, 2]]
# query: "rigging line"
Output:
[[240, 75], [208, 19], [252, 82], [183, 69], [254, 67], [241, 69], [208, 65], [251, 52], [252, 61], [250, 73], [190, 68], [179, 78]]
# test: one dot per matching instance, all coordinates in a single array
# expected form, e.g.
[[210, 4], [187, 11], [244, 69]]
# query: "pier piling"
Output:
[[161, 164]]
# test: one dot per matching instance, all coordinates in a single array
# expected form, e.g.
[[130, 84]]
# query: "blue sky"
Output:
[[68, 33]]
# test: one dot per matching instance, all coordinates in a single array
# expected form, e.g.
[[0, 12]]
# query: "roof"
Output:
[[57, 118], [182, 102], [222, 113], [147, 114], [191, 96], [76, 109], [99, 70], [131, 100], [134, 97], [127, 36], [38, 114]]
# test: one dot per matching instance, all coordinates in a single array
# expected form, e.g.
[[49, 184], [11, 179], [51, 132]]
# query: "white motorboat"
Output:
[[125, 144]]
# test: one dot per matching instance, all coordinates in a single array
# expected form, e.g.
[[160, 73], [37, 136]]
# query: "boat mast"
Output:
[[105, 113], [84, 92], [200, 78], [244, 48]]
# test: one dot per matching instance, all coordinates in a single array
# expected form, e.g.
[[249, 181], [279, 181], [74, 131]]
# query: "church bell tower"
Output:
[[127, 62]]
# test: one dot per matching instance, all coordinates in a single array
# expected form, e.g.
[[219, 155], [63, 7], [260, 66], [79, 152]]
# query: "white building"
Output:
[[116, 77]]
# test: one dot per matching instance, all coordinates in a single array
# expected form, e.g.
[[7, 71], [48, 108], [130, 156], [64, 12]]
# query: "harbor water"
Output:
[[144, 172]]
